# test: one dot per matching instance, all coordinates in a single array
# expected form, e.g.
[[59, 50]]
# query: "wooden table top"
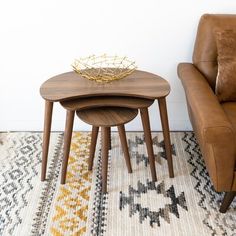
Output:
[[71, 85]]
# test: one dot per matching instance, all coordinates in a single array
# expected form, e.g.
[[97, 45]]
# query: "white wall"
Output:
[[39, 39]]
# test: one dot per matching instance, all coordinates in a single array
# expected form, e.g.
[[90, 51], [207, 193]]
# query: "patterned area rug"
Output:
[[186, 205]]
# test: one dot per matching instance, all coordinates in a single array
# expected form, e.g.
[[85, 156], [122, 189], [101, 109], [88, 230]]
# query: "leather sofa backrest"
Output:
[[205, 52]]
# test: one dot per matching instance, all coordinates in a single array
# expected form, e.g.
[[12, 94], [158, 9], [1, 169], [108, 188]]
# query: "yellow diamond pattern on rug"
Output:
[[71, 205]]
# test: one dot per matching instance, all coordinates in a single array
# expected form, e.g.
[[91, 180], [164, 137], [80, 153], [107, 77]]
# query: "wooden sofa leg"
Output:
[[228, 198]]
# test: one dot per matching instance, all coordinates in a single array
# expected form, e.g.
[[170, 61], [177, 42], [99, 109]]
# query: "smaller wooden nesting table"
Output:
[[71, 86]]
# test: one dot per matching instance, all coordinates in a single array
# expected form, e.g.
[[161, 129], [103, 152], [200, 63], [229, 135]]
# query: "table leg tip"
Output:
[[43, 178], [154, 179], [172, 176], [104, 191], [224, 210]]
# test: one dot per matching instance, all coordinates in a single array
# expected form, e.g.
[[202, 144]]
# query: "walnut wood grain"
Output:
[[92, 146], [123, 140], [46, 137], [71, 85], [148, 139], [112, 101], [105, 148], [107, 116], [228, 198], [109, 138], [67, 140], [166, 134]]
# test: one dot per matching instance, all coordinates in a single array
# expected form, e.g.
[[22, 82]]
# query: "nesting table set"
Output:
[[136, 91]]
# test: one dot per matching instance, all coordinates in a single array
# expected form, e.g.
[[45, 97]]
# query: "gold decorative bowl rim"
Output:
[[104, 68]]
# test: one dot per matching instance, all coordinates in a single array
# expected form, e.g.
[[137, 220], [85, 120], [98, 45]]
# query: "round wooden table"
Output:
[[71, 86]]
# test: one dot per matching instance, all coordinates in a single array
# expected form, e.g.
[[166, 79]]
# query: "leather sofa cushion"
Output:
[[225, 88], [205, 51]]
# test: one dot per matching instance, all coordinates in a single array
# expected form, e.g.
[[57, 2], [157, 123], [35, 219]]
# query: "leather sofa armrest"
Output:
[[202, 99], [212, 127]]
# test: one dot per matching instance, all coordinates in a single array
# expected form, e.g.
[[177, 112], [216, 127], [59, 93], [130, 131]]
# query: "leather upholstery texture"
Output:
[[226, 77], [214, 123], [205, 50]]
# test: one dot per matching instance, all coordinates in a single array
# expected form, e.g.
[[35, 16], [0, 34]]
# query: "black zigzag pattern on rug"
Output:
[[209, 199], [100, 201], [147, 213]]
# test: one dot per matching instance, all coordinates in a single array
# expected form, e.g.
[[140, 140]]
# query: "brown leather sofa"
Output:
[[214, 123]]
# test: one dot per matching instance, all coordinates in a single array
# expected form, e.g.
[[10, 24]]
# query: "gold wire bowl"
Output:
[[104, 69]]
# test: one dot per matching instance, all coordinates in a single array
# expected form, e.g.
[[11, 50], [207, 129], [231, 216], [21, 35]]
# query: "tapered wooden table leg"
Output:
[[46, 137], [105, 148], [148, 140], [109, 138], [228, 198], [67, 140], [123, 140], [94, 137], [166, 134]]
